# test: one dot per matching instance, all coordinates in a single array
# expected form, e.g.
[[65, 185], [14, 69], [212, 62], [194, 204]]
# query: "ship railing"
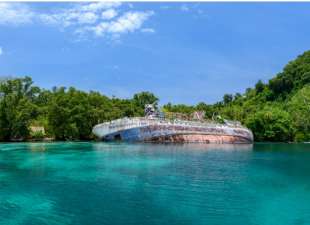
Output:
[[210, 123], [126, 123]]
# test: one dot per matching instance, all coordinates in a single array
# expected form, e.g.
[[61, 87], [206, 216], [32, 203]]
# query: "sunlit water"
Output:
[[112, 183]]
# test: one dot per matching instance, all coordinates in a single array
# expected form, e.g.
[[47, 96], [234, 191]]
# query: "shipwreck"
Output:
[[159, 127]]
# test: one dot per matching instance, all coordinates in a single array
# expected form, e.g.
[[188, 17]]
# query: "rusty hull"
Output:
[[163, 133]]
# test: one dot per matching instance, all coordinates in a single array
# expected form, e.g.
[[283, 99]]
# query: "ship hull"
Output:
[[201, 138], [170, 133]]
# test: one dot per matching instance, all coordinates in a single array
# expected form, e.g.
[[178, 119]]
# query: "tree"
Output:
[[270, 124], [208, 109], [237, 96], [143, 98], [70, 115], [16, 108], [259, 86], [227, 99], [299, 108], [281, 86], [179, 108]]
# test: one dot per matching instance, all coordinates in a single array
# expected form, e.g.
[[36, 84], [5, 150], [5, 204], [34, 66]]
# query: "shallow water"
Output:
[[114, 183]]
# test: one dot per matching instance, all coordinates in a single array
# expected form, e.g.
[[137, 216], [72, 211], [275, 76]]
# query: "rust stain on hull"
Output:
[[199, 138]]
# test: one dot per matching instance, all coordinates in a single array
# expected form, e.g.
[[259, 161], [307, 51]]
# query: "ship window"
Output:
[[117, 137]]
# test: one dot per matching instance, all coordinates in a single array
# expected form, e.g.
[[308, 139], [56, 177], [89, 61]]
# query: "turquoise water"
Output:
[[112, 183]]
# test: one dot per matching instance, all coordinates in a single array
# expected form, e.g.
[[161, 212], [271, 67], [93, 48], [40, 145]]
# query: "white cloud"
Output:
[[82, 14], [87, 17], [1, 51], [99, 6], [108, 14], [129, 22], [15, 13], [98, 18], [71, 16]]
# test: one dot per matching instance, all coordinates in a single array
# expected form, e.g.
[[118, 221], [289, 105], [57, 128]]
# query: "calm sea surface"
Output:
[[112, 183]]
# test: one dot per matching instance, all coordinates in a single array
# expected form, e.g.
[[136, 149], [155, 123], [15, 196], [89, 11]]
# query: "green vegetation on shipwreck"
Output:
[[275, 111]]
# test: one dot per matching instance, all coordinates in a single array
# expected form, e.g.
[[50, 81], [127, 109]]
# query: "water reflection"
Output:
[[37, 147], [220, 147], [188, 146]]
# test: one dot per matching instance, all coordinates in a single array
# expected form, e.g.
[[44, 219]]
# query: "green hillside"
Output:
[[276, 111]]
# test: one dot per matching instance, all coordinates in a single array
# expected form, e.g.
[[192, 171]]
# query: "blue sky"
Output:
[[182, 52]]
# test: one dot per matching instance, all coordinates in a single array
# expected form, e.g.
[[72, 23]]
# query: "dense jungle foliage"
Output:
[[275, 111]]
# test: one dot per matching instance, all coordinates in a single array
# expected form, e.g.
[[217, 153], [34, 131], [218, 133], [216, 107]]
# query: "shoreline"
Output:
[[99, 141]]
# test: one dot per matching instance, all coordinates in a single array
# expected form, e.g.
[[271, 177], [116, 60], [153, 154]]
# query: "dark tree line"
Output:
[[66, 114]]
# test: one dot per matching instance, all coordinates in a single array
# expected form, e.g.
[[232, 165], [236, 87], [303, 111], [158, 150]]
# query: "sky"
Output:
[[182, 52]]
